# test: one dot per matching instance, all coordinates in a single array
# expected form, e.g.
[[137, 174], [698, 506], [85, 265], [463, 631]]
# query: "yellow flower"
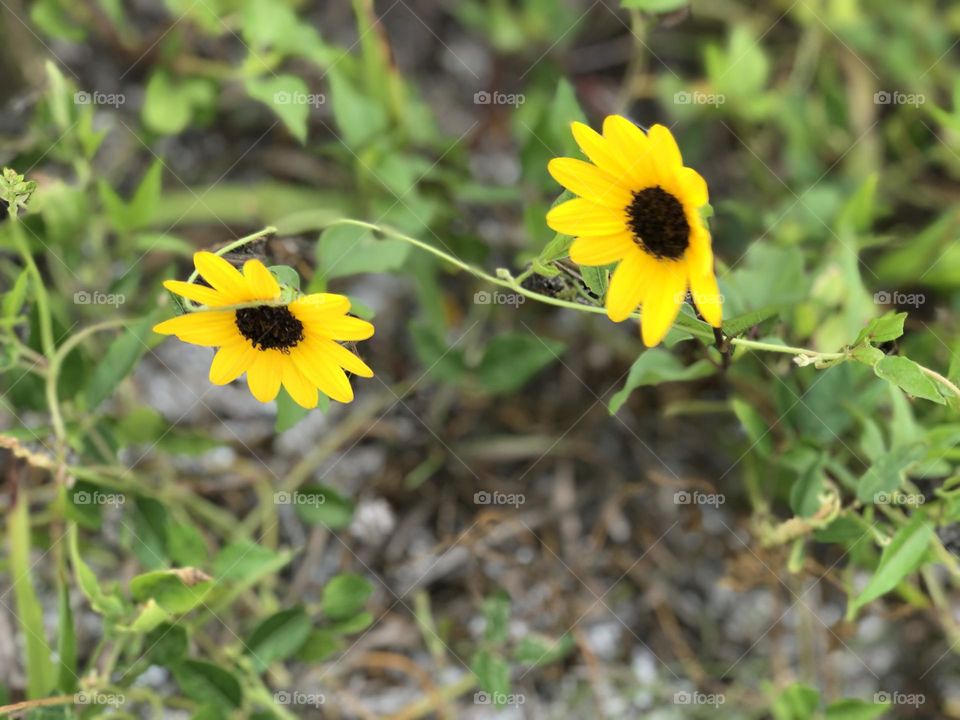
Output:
[[639, 206], [293, 343]]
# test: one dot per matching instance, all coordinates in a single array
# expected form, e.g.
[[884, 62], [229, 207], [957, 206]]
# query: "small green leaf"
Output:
[[288, 97], [887, 473], [882, 329], [906, 374], [595, 278], [493, 675], [208, 683], [166, 643], [510, 360], [278, 637], [320, 505], [737, 325], [349, 250], [176, 591], [166, 110], [900, 558], [344, 596], [118, 362], [243, 559], [853, 709], [654, 367]]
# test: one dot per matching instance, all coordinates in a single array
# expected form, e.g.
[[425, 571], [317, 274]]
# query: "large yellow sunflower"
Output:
[[274, 341], [639, 206]]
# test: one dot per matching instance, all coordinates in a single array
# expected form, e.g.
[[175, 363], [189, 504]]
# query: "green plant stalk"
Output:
[[40, 669]]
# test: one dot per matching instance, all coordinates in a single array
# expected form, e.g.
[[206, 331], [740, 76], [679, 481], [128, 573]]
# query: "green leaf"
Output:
[[289, 413], [510, 360], [493, 675], [538, 650], [14, 298], [176, 591], [320, 645], [207, 683], [243, 559], [166, 109], [288, 97], [654, 367], [360, 118], [148, 532], [596, 279], [150, 617], [887, 473], [654, 6], [741, 323], [349, 250], [166, 643], [109, 606], [804, 495], [118, 362], [907, 375], [882, 329], [797, 702], [344, 596], [319, 505], [853, 709], [900, 558], [278, 637], [858, 212], [496, 612], [186, 544]]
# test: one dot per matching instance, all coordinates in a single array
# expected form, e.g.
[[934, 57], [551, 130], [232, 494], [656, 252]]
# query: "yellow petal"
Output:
[[317, 307], [323, 372], [666, 154], [599, 150], [207, 328], [264, 375], [343, 328], [601, 250], [582, 217], [629, 283], [700, 252], [589, 181], [223, 276], [661, 304], [303, 392], [260, 280], [706, 296], [231, 361], [198, 293], [635, 152], [346, 359], [693, 187]]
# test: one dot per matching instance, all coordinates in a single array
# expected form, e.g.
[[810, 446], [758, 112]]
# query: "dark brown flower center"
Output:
[[658, 223], [270, 327]]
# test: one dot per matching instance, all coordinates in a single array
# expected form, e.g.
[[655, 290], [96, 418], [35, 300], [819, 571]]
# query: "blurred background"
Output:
[[529, 527]]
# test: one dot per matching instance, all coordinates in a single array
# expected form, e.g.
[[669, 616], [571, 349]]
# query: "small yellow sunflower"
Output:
[[639, 206], [293, 343]]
